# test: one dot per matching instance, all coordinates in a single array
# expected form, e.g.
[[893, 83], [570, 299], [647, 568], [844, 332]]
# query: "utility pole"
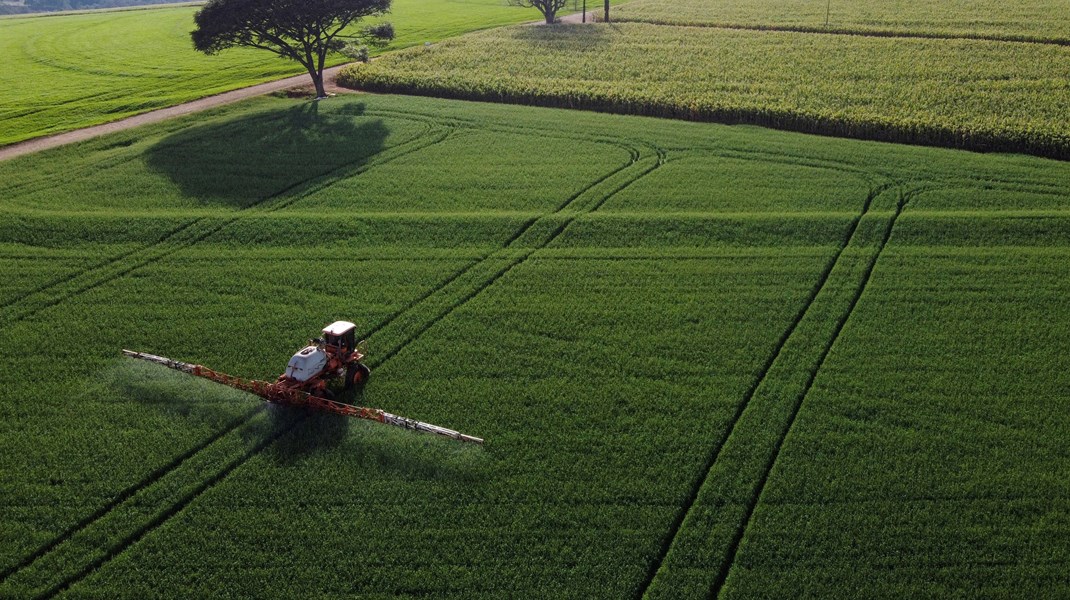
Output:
[[828, 9], [583, 19], [607, 11]]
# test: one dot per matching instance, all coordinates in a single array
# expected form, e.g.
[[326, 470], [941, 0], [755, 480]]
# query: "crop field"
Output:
[[707, 360], [919, 88], [64, 72], [1044, 21]]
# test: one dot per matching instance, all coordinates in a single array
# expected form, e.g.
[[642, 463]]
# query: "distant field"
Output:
[[707, 360], [71, 71], [1036, 20], [967, 93]]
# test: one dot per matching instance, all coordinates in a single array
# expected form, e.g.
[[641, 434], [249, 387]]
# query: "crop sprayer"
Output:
[[305, 383]]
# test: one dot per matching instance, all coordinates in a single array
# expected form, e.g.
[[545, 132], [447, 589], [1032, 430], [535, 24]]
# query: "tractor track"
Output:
[[730, 558], [170, 243], [43, 288], [175, 464], [124, 495], [171, 511], [711, 460], [509, 242], [554, 234], [282, 432]]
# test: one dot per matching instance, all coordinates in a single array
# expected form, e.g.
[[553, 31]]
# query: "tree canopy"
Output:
[[302, 30]]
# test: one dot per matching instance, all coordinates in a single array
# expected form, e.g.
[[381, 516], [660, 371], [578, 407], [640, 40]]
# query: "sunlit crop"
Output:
[[703, 358]]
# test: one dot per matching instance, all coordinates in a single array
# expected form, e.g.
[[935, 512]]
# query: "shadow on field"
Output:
[[246, 160], [374, 448], [190, 401], [319, 432], [573, 37], [298, 434]]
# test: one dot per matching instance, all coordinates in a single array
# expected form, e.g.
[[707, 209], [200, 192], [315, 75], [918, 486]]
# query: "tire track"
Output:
[[182, 459], [98, 265], [176, 463], [52, 295], [166, 515], [741, 531], [711, 460], [123, 496], [186, 500]]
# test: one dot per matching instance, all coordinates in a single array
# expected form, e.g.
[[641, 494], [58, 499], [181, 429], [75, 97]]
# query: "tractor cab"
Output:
[[341, 335]]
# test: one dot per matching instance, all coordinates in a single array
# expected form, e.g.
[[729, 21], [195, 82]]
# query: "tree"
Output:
[[302, 30], [548, 8]]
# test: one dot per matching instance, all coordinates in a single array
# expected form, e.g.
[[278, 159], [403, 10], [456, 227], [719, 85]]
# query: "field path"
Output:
[[155, 116]]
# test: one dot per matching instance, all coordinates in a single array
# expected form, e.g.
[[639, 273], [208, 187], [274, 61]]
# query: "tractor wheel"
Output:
[[357, 375]]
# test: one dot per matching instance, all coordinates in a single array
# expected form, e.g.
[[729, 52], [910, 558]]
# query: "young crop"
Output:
[[702, 357]]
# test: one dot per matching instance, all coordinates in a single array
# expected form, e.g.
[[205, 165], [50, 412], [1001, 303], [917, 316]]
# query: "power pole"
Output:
[[583, 19], [607, 11]]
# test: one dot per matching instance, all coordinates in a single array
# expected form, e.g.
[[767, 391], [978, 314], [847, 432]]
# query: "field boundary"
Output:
[[784, 120], [861, 32], [708, 466]]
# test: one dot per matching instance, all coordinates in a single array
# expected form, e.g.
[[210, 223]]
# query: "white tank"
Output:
[[304, 365]]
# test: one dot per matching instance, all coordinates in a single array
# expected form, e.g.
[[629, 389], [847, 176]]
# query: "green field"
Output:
[[1045, 21], [706, 359], [64, 72], [978, 94]]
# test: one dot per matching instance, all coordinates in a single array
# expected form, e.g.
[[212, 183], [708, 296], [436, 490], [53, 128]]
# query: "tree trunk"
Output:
[[317, 80], [607, 11], [550, 16]]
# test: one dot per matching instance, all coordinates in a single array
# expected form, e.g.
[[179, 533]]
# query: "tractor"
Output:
[[305, 383], [335, 355]]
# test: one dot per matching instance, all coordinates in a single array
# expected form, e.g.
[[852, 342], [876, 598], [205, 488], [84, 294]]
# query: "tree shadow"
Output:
[[570, 37], [246, 160]]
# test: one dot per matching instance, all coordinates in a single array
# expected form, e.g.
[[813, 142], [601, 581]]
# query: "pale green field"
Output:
[[71, 71]]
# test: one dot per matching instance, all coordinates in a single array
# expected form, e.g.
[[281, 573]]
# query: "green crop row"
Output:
[[972, 94], [599, 296], [1044, 21], [968, 352]]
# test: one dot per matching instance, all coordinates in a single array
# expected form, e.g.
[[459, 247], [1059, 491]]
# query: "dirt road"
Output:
[[162, 114], [78, 135]]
